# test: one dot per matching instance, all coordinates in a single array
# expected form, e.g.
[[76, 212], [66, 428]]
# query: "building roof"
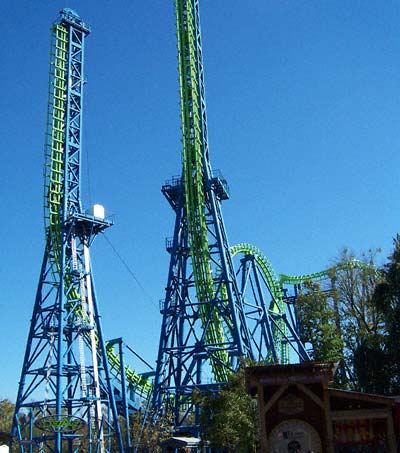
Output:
[[181, 442]]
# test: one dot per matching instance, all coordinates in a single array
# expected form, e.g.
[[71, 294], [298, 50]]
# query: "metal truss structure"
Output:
[[65, 399], [204, 328], [73, 384]]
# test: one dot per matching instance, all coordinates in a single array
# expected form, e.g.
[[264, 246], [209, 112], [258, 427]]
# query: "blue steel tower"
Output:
[[204, 327], [65, 400]]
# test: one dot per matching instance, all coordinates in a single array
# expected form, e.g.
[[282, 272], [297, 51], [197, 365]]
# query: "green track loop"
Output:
[[277, 305], [275, 284]]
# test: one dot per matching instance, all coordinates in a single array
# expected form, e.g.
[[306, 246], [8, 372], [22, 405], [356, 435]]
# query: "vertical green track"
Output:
[[194, 183], [54, 180], [55, 141]]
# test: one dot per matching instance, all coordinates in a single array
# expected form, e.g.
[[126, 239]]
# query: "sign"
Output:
[[294, 436], [290, 405], [360, 432], [60, 423], [282, 380]]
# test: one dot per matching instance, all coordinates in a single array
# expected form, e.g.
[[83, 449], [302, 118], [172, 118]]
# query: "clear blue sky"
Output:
[[303, 111]]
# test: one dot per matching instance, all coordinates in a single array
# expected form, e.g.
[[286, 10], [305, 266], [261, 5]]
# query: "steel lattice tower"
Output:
[[65, 399], [204, 327]]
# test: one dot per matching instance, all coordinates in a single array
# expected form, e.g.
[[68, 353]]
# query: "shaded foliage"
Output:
[[6, 417], [387, 301], [355, 279], [371, 365], [148, 433]]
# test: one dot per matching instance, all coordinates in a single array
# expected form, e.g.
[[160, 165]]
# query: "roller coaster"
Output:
[[74, 385]]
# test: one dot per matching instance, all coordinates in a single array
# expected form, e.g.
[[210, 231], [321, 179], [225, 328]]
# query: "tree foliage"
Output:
[[319, 323], [355, 279], [387, 301], [229, 419], [370, 361], [6, 416], [148, 432], [343, 323]]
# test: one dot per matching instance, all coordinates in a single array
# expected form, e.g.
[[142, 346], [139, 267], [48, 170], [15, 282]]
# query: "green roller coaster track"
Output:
[[194, 190], [275, 285], [195, 193], [54, 155], [271, 278], [277, 305], [327, 273], [193, 180], [54, 185]]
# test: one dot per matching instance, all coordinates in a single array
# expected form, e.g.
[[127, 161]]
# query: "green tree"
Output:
[[229, 419], [6, 416], [147, 433], [355, 279], [342, 322], [318, 323], [371, 361], [361, 322], [387, 301]]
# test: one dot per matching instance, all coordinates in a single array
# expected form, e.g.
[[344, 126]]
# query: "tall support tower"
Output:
[[65, 400], [204, 327]]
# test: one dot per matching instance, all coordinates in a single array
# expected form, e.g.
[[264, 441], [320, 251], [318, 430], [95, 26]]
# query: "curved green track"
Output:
[[268, 272], [275, 286], [277, 305]]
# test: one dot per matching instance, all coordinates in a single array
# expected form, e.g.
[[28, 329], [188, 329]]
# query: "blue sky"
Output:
[[303, 112]]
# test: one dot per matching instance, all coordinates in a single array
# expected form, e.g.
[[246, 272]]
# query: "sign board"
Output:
[[60, 423]]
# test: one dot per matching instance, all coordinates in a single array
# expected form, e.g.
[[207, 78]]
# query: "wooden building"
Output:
[[300, 413]]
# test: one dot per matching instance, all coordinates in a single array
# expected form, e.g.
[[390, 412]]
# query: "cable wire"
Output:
[[131, 272]]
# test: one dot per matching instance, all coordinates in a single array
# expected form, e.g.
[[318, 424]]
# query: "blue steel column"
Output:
[[201, 337], [242, 334]]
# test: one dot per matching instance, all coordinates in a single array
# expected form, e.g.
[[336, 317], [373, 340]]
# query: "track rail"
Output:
[[55, 143], [194, 181], [54, 189]]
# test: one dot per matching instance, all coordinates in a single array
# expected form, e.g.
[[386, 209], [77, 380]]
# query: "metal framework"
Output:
[[73, 385], [212, 315], [204, 327], [65, 399]]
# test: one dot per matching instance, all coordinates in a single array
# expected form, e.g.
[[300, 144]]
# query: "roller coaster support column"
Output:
[[125, 406], [204, 328], [65, 387]]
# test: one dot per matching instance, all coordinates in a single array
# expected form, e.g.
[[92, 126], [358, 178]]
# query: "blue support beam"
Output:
[[204, 328]]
